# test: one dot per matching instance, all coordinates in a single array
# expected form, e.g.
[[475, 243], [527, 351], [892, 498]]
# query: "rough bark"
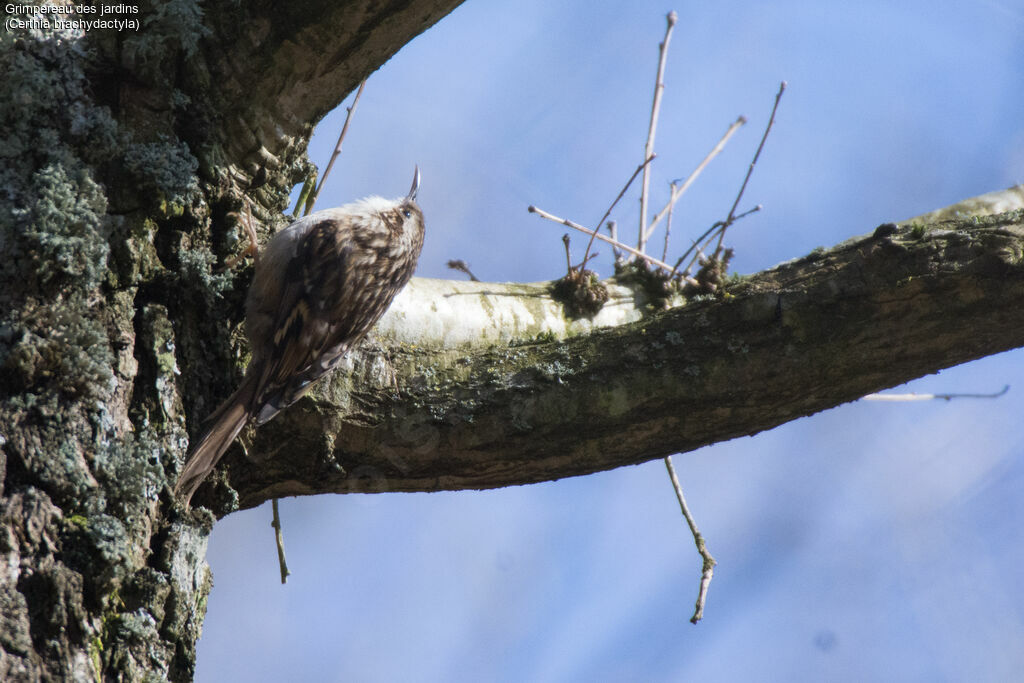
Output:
[[445, 401], [124, 157], [124, 161]]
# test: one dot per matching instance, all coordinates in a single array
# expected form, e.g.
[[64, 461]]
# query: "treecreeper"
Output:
[[319, 286]]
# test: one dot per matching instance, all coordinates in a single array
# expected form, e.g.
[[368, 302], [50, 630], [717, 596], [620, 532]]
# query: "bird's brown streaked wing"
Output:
[[303, 328]]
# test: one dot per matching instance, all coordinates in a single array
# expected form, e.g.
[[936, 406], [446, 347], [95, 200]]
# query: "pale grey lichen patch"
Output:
[[142, 655], [62, 228], [673, 338], [171, 28], [168, 170], [197, 271]]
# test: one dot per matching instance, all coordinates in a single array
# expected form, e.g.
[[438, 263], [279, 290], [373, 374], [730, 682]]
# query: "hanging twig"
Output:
[[678, 193], [337, 149], [659, 87], [310, 202], [708, 568], [279, 539]]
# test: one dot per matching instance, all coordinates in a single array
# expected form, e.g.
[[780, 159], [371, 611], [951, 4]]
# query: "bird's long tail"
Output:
[[225, 424]]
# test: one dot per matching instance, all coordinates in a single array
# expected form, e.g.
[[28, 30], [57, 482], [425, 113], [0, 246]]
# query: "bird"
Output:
[[318, 287]]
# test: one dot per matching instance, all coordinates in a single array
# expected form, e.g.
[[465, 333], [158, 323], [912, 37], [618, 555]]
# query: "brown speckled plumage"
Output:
[[320, 285]]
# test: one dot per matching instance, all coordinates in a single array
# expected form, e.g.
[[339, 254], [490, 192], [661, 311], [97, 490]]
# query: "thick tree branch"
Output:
[[280, 67], [432, 410]]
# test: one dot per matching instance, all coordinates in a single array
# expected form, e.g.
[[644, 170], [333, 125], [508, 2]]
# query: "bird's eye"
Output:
[[407, 213]]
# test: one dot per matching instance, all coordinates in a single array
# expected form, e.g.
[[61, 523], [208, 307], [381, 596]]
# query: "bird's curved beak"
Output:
[[415, 184]]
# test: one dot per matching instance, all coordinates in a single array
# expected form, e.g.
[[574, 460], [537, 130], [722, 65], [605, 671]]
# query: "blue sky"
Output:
[[869, 542]]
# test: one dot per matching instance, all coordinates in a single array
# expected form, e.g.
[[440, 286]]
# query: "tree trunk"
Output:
[[127, 157], [124, 159]]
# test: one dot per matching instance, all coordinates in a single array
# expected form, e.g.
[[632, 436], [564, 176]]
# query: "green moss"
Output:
[[96, 656], [540, 338], [545, 337], [79, 521]]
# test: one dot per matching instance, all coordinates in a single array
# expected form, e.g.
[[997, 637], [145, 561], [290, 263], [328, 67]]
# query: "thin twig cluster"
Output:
[[708, 254], [710, 260]]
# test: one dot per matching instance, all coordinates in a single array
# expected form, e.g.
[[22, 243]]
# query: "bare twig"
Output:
[[307, 189], [612, 207], [719, 227], [613, 230], [337, 149], [279, 539], [931, 397], [462, 267], [668, 223], [576, 226], [568, 259], [695, 247], [708, 568], [677, 193], [730, 219], [707, 235], [659, 87]]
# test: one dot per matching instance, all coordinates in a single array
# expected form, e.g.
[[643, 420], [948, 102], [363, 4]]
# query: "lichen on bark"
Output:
[[125, 161], [81, 477]]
